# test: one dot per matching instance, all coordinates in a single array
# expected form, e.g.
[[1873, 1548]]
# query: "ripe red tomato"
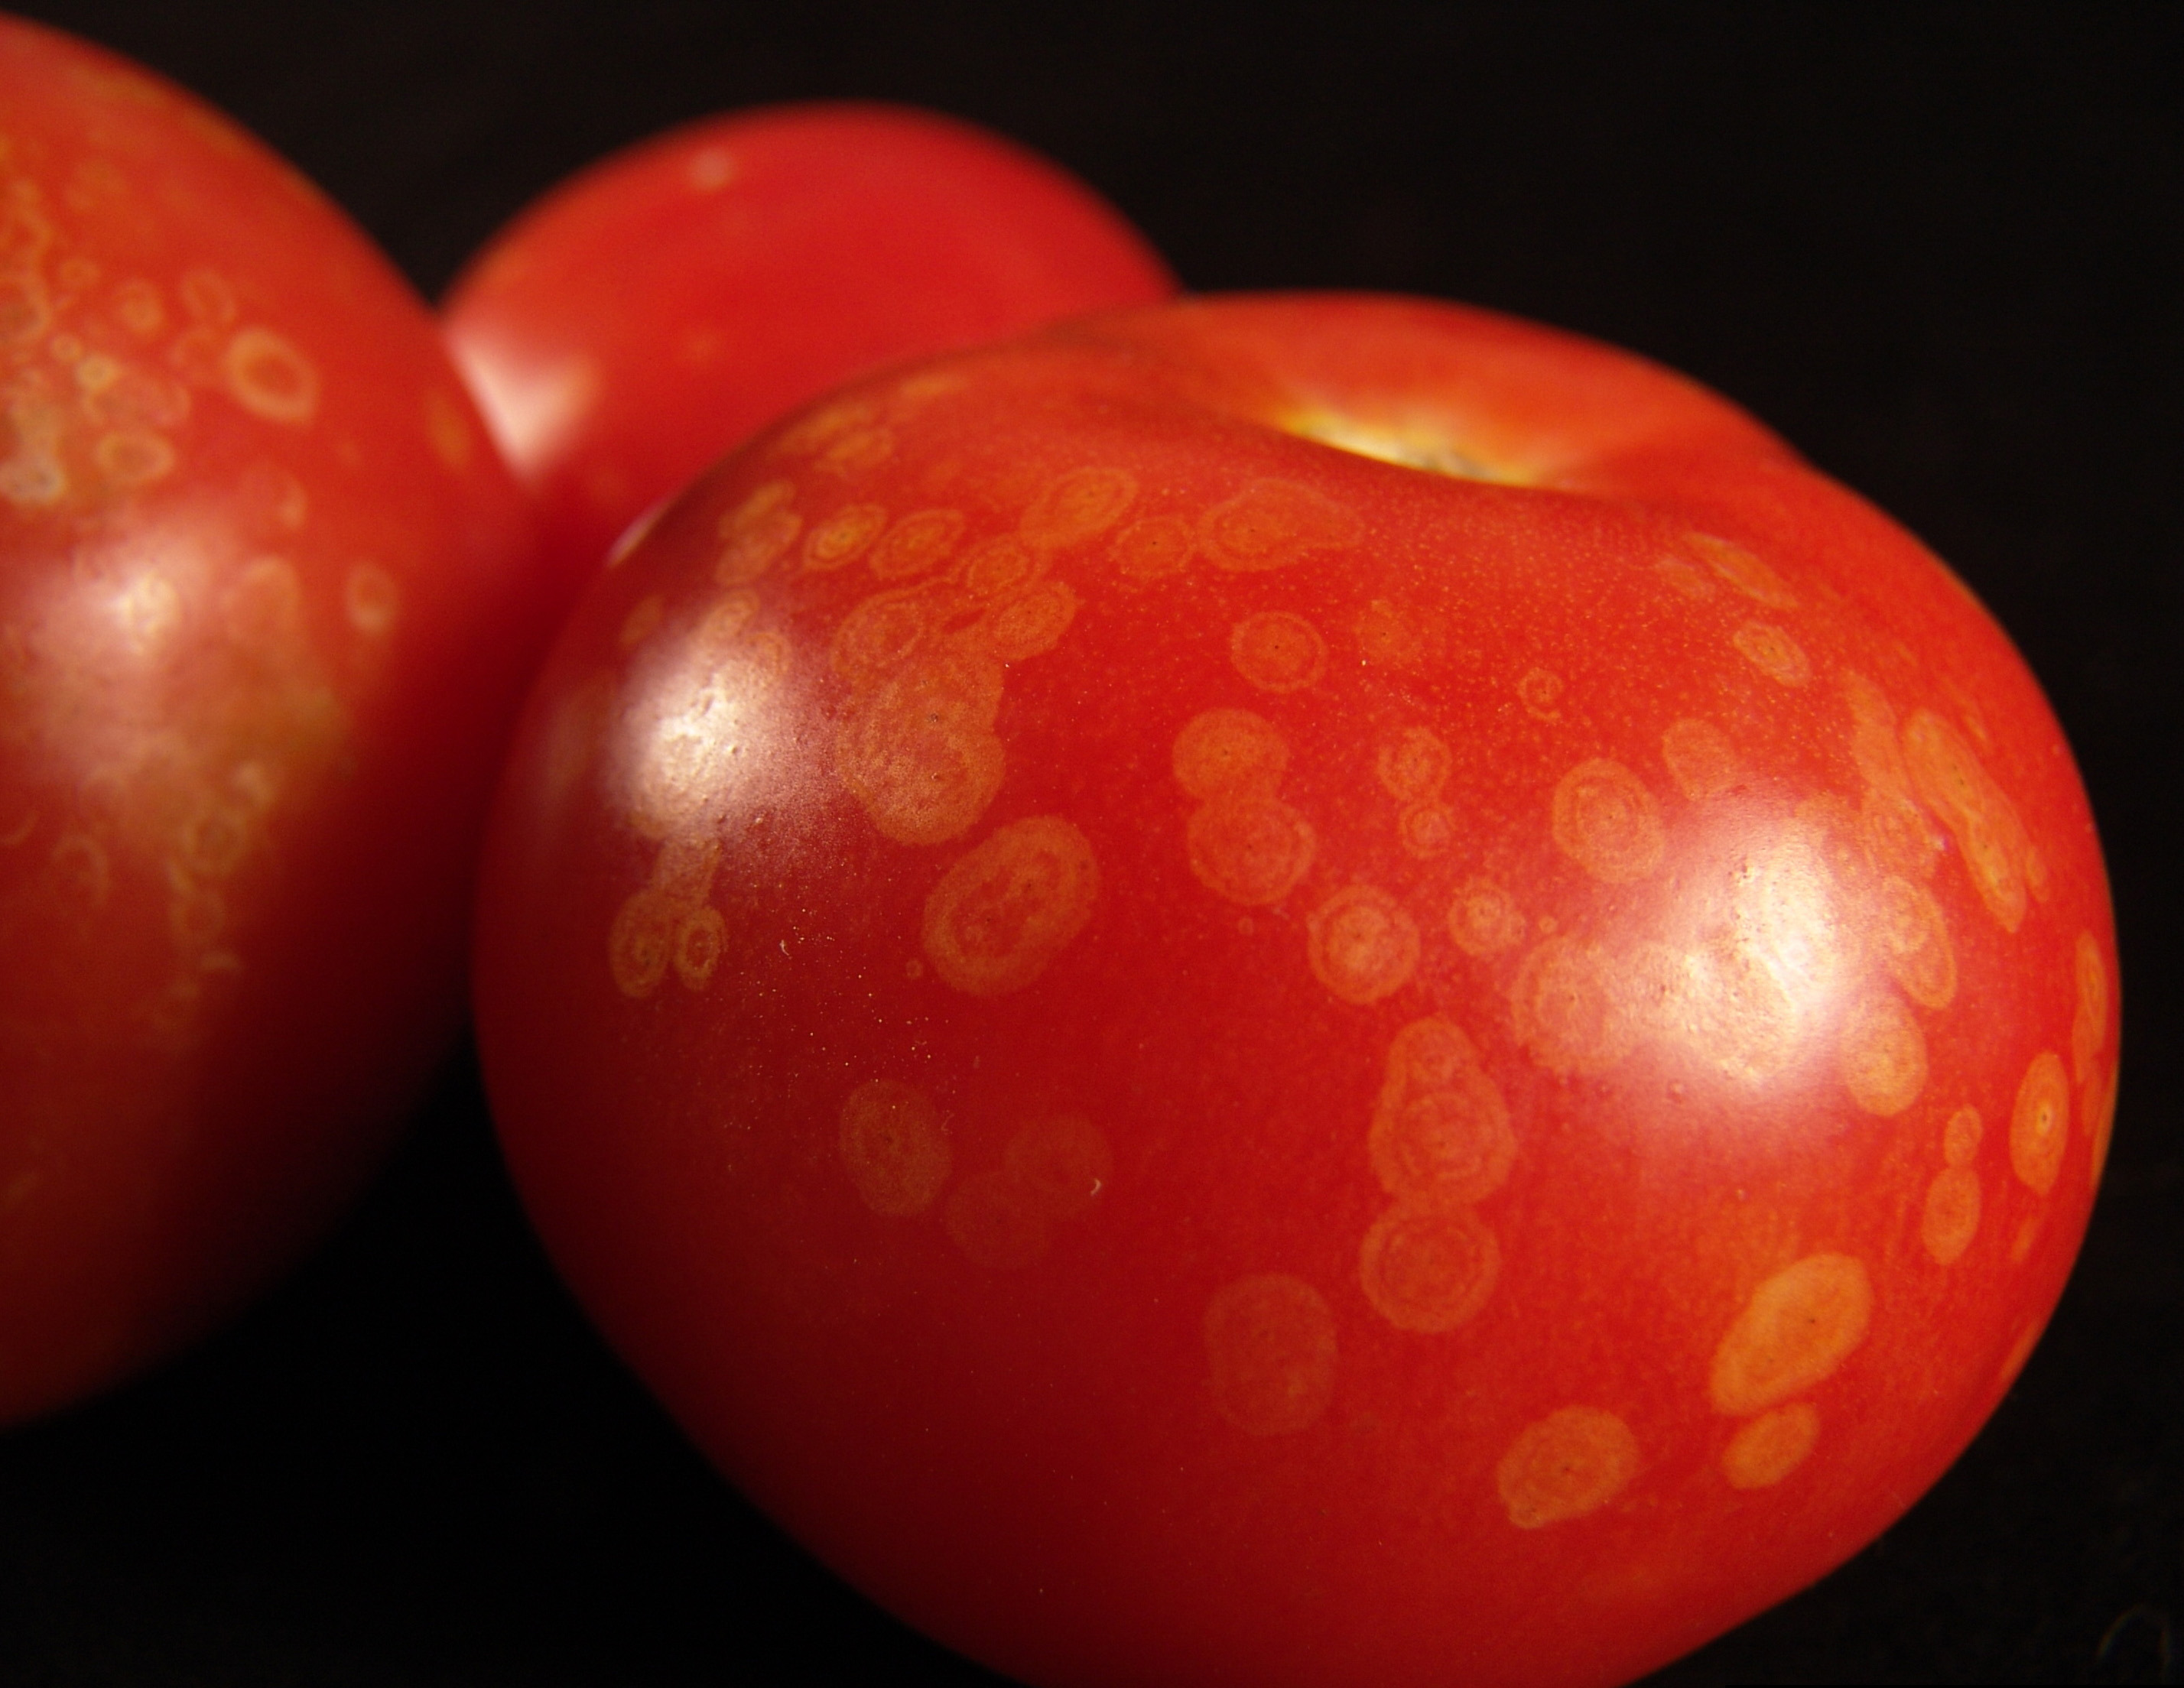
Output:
[[1315, 991], [654, 311], [265, 611]]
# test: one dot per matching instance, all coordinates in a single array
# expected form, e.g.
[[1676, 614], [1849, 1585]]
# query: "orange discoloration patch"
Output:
[[1570, 1464], [270, 378], [2089, 1026], [1391, 635], [2040, 1122], [1570, 1017], [919, 752], [1742, 570], [751, 545], [1774, 652], [1080, 505], [1701, 759], [1539, 692], [1002, 913], [1249, 847], [1225, 750], [642, 941], [642, 621], [1270, 1354], [1441, 1128], [371, 599], [1950, 780], [1606, 821], [1795, 1332], [920, 541], [1960, 1137], [1429, 1265], [893, 1145], [1484, 920], [841, 539], [999, 567], [1272, 523], [1031, 623], [1151, 549], [1771, 1447], [1362, 945], [1881, 1054], [698, 944], [1415, 766], [1915, 939], [1278, 651], [1427, 830], [1951, 1217]]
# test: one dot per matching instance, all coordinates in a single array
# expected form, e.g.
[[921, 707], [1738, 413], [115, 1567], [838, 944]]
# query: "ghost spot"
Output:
[[878, 636], [1915, 940], [1606, 821], [1451, 1141], [1429, 1265], [919, 752], [1361, 944], [1701, 759], [1774, 652], [1881, 1054], [641, 942], [270, 378], [827, 425], [1031, 623], [2040, 1123], [1873, 747], [1270, 1354], [1568, 1015], [1898, 837], [918, 542], [1278, 651], [1415, 767], [1795, 1331], [999, 567], [134, 457], [1570, 1464], [1080, 505], [1063, 1164], [1949, 780], [893, 1144], [749, 548], [1960, 1137], [1154, 548], [1427, 1054], [1742, 570], [858, 453], [1484, 920], [1951, 1217], [642, 621], [1771, 1447], [371, 598], [1391, 635], [1427, 830], [262, 607], [1539, 692], [698, 942], [1224, 751], [1272, 523], [2089, 1026], [841, 539], [1685, 579], [1002, 913], [1249, 849], [991, 1218]]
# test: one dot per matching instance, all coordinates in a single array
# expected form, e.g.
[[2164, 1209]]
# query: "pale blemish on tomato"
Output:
[[1153, 548], [1961, 1136], [1030, 623], [1390, 635], [1003, 913], [261, 608], [1949, 779], [698, 944], [130, 457], [1484, 920], [448, 431], [1742, 570], [642, 621], [893, 1144], [1077, 507], [270, 378], [1270, 1354], [1278, 651], [841, 539], [1540, 690], [1361, 944], [1774, 652], [1795, 1332], [997, 566], [371, 599], [918, 751], [2040, 1122], [1228, 750], [1701, 759], [1568, 1465], [1415, 766], [1427, 830], [1272, 523], [1569, 1016], [2028, 1233], [917, 543], [1765, 1451], [641, 941], [1428, 1264], [1606, 821], [1951, 1217], [2089, 1025], [829, 423], [1914, 939], [1439, 1129], [858, 453], [1249, 847], [1684, 579], [1881, 1054]]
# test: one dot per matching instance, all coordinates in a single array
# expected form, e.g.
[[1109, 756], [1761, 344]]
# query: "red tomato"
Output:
[[1313, 991], [265, 610], [656, 310]]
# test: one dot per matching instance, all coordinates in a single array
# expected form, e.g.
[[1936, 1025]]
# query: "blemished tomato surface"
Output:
[[1302, 991], [663, 305], [265, 616]]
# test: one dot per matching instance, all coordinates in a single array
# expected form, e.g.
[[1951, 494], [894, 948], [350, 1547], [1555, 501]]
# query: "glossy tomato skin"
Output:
[[661, 306], [265, 612], [1209, 1060]]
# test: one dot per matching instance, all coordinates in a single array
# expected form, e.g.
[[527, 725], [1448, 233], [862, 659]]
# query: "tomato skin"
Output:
[[1206, 1060], [265, 609], [658, 308]]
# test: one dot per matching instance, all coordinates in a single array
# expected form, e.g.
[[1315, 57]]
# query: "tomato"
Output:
[[1298, 992], [655, 310], [265, 612]]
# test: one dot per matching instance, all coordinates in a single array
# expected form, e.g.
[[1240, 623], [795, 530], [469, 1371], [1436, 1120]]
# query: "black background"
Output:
[[1941, 249]]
